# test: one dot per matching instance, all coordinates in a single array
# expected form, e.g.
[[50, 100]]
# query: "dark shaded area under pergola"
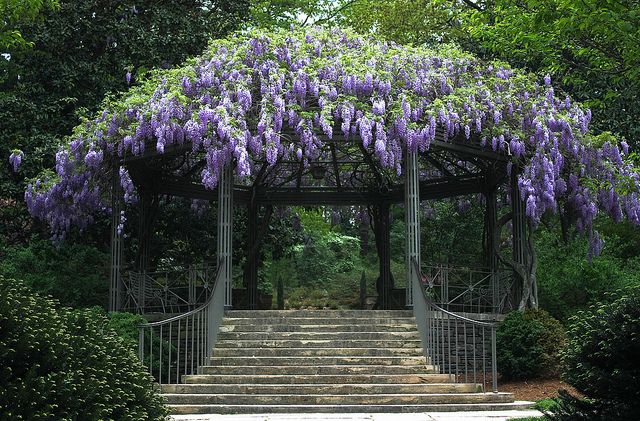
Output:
[[345, 174]]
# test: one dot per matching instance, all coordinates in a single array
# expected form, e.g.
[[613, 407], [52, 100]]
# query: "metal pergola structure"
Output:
[[346, 173]]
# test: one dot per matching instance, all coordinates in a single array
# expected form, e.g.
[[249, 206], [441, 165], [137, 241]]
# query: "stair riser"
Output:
[[314, 369], [333, 360], [318, 328], [315, 352], [319, 313], [319, 379], [332, 409], [324, 389], [339, 336], [327, 320], [336, 343], [201, 399]]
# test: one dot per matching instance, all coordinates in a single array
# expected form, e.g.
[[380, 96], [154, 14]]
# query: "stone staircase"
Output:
[[295, 361]]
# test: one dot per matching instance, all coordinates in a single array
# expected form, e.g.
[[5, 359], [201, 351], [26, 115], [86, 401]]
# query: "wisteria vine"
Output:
[[233, 104]]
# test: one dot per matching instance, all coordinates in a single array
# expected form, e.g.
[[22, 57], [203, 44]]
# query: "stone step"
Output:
[[315, 352], [337, 409], [319, 343], [316, 369], [333, 399], [317, 378], [319, 328], [370, 314], [321, 389], [320, 361], [302, 321], [240, 336]]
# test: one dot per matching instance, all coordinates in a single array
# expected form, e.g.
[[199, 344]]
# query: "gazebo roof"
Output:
[[279, 105]]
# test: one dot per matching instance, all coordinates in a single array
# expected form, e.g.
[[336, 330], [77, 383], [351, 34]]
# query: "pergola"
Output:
[[327, 117], [344, 174]]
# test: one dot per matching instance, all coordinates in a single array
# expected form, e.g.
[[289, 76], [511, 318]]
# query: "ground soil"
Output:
[[534, 390]]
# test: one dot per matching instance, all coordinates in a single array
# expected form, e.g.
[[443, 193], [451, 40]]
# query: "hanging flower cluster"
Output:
[[241, 101]]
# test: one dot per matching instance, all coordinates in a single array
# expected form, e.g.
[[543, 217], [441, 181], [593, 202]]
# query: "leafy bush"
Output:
[[74, 274], [528, 343], [569, 283], [601, 361], [63, 364], [126, 326]]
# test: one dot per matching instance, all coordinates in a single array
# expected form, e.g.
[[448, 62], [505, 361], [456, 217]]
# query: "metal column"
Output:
[[252, 257], [384, 255], [412, 220], [115, 285], [225, 229], [519, 225], [491, 216]]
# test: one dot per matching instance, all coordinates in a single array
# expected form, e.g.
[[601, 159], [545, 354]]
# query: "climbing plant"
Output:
[[270, 95]]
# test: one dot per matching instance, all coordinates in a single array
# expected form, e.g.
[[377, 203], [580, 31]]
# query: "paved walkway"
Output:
[[428, 416]]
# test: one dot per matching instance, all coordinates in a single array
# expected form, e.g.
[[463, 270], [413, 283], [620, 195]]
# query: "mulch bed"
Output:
[[536, 389]]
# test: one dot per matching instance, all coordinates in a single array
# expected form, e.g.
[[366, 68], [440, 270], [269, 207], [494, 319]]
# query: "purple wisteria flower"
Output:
[[274, 96], [15, 159]]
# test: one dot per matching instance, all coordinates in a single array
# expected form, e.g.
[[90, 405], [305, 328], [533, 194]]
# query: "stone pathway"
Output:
[[430, 416]]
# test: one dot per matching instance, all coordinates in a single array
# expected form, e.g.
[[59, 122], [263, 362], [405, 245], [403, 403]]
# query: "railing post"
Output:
[[494, 365], [412, 221], [225, 229]]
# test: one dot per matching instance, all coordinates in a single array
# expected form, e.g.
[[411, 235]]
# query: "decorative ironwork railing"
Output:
[[453, 344], [180, 345], [168, 291], [467, 289]]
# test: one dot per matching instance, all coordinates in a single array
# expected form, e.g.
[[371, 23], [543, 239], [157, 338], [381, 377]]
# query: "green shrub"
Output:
[[126, 326], [601, 361], [74, 274], [528, 343], [63, 364]]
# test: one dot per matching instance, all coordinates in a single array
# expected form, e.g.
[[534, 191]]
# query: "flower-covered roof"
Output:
[[274, 102]]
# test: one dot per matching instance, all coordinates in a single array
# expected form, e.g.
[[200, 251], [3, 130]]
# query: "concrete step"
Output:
[[369, 314], [346, 336], [272, 327], [321, 389], [288, 379], [320, 361], [337, 409], [333, 399], [315, 352], [318, 343], [302, 321], [316, 369]]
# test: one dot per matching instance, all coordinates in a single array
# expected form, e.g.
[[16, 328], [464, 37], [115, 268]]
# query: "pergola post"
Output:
[[412, 221], [225, 229], [519, 226], [252, 260], [115, 285], [492, 239], [383, 245], [144, 231]]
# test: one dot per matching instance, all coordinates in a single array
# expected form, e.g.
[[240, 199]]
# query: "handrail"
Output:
[[437, 307], [189, 313], [182, 344], [454, 344], [170, 290], [465, 288]]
